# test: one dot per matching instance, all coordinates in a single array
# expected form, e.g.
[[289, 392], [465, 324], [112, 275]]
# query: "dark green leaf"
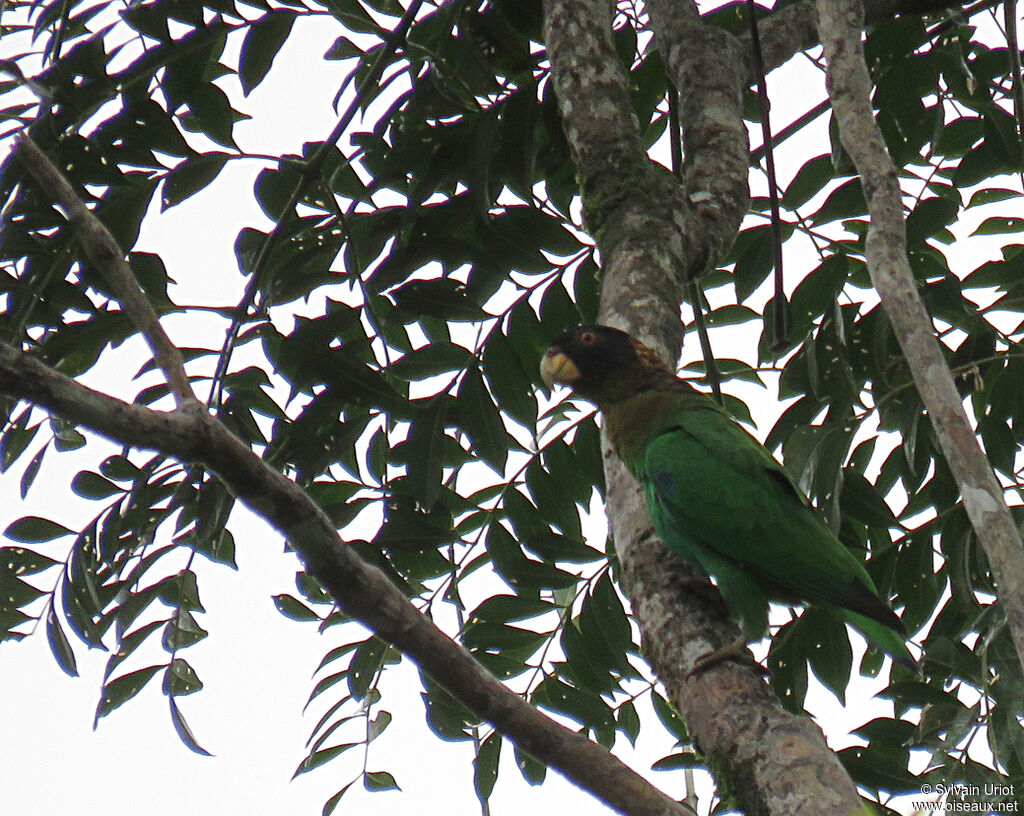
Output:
[[730, 315], [991, 195], [533, 770], [293, 608], [318, 758], [191, 176], [9, 620], [211, 113], [377, 725], [446, 716], [16, 439], [877, 770], [606, 628], [121, 689], [998, 225], [861, 500], [431, 360], [219, 548], [332, 803], [15, 593], [260, 46], [442, 298], [846, 201], [520, 572], [586, 707], [499, 637], [35, 530], [180, 679], [675, 762], [485, 766], [379, 781], [182, 631], [930, 218], [582, 666], [479, 418], [120, 469], [425, 451], [629, 721], [754, 260], [366, 662], [182, 591], [808, 181], [670, 718], [511, 383], [828, 650], [91, 485], [312, 590], [183, 731], [59, 645], [556, 505], [128, 644], [343, 48], [817, 292], [19, 561], [509, 608]]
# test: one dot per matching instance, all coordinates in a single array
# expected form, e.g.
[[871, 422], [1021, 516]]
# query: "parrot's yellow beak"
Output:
[[557, 369]]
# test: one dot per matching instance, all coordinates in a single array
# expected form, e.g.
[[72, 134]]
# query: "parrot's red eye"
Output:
[[588, 338]]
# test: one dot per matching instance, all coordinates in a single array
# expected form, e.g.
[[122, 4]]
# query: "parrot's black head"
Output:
[[600, 363]]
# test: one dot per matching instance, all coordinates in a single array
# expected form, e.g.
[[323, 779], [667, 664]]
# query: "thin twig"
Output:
[[780, 310], [102, 250], [794, 127], [693, 288]]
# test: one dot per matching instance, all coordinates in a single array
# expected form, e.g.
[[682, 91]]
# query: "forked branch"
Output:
[[102, 250]]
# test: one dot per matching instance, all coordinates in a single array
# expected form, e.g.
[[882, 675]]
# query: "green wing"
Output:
[[720, 500]]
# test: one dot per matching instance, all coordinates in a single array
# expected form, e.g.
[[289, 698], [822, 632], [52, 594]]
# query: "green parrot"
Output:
[[716, 495]]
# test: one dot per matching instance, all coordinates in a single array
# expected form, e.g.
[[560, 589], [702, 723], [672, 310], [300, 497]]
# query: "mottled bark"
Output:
[[768, 760], [840, 24], [640, 217]]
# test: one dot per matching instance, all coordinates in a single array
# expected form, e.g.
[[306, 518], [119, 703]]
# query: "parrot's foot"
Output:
[[737, 651]]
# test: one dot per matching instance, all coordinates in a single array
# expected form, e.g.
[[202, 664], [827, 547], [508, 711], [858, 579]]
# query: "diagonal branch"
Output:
[[840, 23], [360, 589], [104, 253]]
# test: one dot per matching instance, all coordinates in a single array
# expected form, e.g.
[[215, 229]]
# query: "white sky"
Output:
[[256, 665]]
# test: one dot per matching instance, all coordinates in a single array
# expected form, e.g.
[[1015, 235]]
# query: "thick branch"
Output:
[[104, 253], [705, 64], [840, 23], [636, 211], [770, 760], [792, 29], [363, 591]]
